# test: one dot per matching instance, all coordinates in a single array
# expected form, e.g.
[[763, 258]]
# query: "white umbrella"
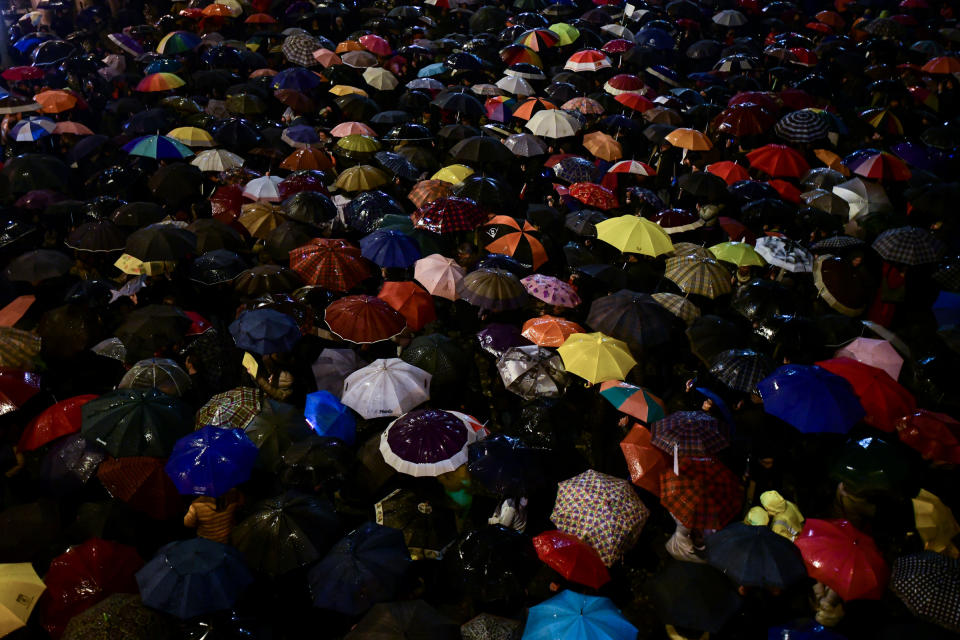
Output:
[[553, 123], [516, 86], [784, 253], [525, 145], [427, 442], [386, 387], [618, 31], [439, 275], [380, 78], [863, 197], [265, 188], [217, 160]]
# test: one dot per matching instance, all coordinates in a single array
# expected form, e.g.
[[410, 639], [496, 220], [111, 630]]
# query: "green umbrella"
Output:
[[873, 465], [135, 422], [438, 355]]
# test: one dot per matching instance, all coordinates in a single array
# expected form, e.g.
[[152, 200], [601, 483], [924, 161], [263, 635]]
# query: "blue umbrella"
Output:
[[811, 399], [389, 248], [507, 466], [575, 616], [190, 578], [296, 78], [265, 331], [947, 309], [654, 38], [211, 461], [435, 69], [163, 65], [329, 417], [364, 568], [803, 630], [300, 134]]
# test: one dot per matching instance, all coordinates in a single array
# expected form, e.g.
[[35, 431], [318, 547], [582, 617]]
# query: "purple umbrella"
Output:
[[70, 463], [498, 337], [426, 442], [126, 43], [918, 155]]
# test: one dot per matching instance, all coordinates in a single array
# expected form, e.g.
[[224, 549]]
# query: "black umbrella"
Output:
[[151, 328], [709, 336], [138, 214], [439, 356], [309, 207], [397, 165], [136, 422], [490, 193], [236, 133], [287, 532], [36, 171], [633, 317], [481, 150], [217, 267], [213, 234], [508, 466], [38, 265], [761, 299], [491, 564], [704, 185], [69, 464], [357, 107], [755, 556], [176, 183], [461, 103], [408, 620], [160, 243], [428, 527], [148, 122], [408, 132], [315, 462], [695, 596], [364, 212]]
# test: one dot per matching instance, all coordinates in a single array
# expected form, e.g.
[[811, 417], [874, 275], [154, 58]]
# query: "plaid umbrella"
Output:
[[804, 125], [689, 433], [18, 348], [575, 169], [601, 510], [908, 245], [330, 263], [702, 276], [929, 584], [449, 215], [633, 317], [143, 484], [741, 369], [298, 49], [705, 495], [232, 409], [678, 306], [427, 191]]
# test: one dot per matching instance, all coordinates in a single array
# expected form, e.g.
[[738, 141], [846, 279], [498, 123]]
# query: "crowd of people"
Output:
[[481, 319]]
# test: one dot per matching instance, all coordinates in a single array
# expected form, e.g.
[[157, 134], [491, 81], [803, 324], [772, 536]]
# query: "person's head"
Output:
[[773, 502]]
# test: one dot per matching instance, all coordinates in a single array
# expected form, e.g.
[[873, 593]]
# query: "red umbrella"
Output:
[[330, 263], [449, 215], [16, 387], [143, 484], [736, 230], [765, 99], [935, 435], [787, 190], [593, 195], [226, 201], [82, 577], [572, 558], [778, 160], [623, 82], [58, 420], [843, 558], [796, 99], [879, 165], [413, 302], [634, 101], [18, 74], [883, 398], [706, 494], [376, 44], [730, 171], [363, 319], [744, 119]]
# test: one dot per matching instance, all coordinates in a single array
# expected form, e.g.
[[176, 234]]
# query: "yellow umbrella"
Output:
[[361, 178], [689, 139], [935, 523], [454, 174], [633, 234], [603, 146], [596, 357], [260, 218], [738, 253], [20, 588], [568, 33], [358, 143], [345, 90], [192, 137]]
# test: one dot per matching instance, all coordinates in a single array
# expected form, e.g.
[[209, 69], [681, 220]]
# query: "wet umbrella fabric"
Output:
[[570, 615], [572, 558], [264, 331], [134, 422], [811, 399], [211, 461], [426, 442], [709, 599], [843, 558], [396, 620], [755, 556]]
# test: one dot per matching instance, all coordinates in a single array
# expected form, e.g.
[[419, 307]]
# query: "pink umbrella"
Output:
[[439, 275], [376, 44], [551, 290], [345, 129], [873, 352]]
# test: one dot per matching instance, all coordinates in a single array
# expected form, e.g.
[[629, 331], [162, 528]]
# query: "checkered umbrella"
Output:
[[298, 49], [690, 433], [702, 276], [805, 125], [678, 306], [233, 409], [601, 510], [427, 191], [837, 243], [929, 584], [705, 495], [449, 215], [741, 369], [330, 263], [908, 245]]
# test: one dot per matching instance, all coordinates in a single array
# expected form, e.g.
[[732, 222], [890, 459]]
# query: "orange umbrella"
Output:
[[634, 101], [832, 160], [411, 300], [217, 11], [831, 18], [549, 331], [689, 139], [427, 191], [55, 101], [941, 65], [603, 146], [308, 158], [530, 106], [644, 461], [349, 45], [261, 18], [510, 238]]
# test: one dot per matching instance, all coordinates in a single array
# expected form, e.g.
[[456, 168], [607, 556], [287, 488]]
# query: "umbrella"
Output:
[[549, 331], [635, 318], [491, 564], [843, 558], [908, 245], [596, 357], [929, 585], [428, 528], [704, 495], [739, 253], [264, 331], [193, 577], [36, 266], [449, 215], [22, 588], [811, 399], [388, 387], [211, 461], [328, 417], [935, 523], [426, 442], [69, 463], [142, 483], [532, 372], [411, 301], [362, 177], [551, 290], [134, 422], [286, 532], [873, 465], [151, 328], [18, 348], [708, 602], [518, 239], [784, 253], [487, 626], [778, 160], [572, 558], [935, 435], [863, 197], [85, 575], [493, 289], [121, 615], [427, 191], [644, 461], [570, 615], [362, 569], [233, 409], [679, 306], [883, 400], [593, 195], [411, 618], [332, 366], [507, 466], [634, 401], [802, 126], [389, 248], [601, 510], [689, 139], [60, 419], [267, 278], [689, 433], [741, 369], [702, 276], [755, 556], [553, 123], [633, 234], [874, 353], [158, 148], [363, 319]]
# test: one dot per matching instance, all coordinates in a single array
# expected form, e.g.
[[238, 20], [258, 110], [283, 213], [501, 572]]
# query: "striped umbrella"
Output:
[[515, 238], [159, 82], [178, 42], [18, 348], [31, 129], [802, 126]]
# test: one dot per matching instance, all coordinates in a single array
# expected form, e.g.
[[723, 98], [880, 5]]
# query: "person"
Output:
[[214, 518], [785, 518], [686, 544]]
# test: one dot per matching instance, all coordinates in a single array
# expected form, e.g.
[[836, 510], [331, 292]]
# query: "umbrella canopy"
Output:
[[428, 527], [784, 253], [883, 400], [843, 558], [596, 357], [493, 289], [507, 466], [632, 234], [705, 494], [709, 599], [232, 409], [644, 461], [572, 558], [119, 615], [327, 416], [426, 442], [929, 585], [193, 577], [22, 589], [491, 563], [412, 301], [702, 276], [439, 275], [211, 461], [397, 620], [515, 238], [741, 369], [438, 355], [690, 433], [532, 372], [635, 318], [264, 331], [363, 319], [811, 399], [549, 331], [570, 615], [935, 435], [935, 523], [908, 245], [755, 556], [388, 387], [57, 420], [135, 422], [602, 510]]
